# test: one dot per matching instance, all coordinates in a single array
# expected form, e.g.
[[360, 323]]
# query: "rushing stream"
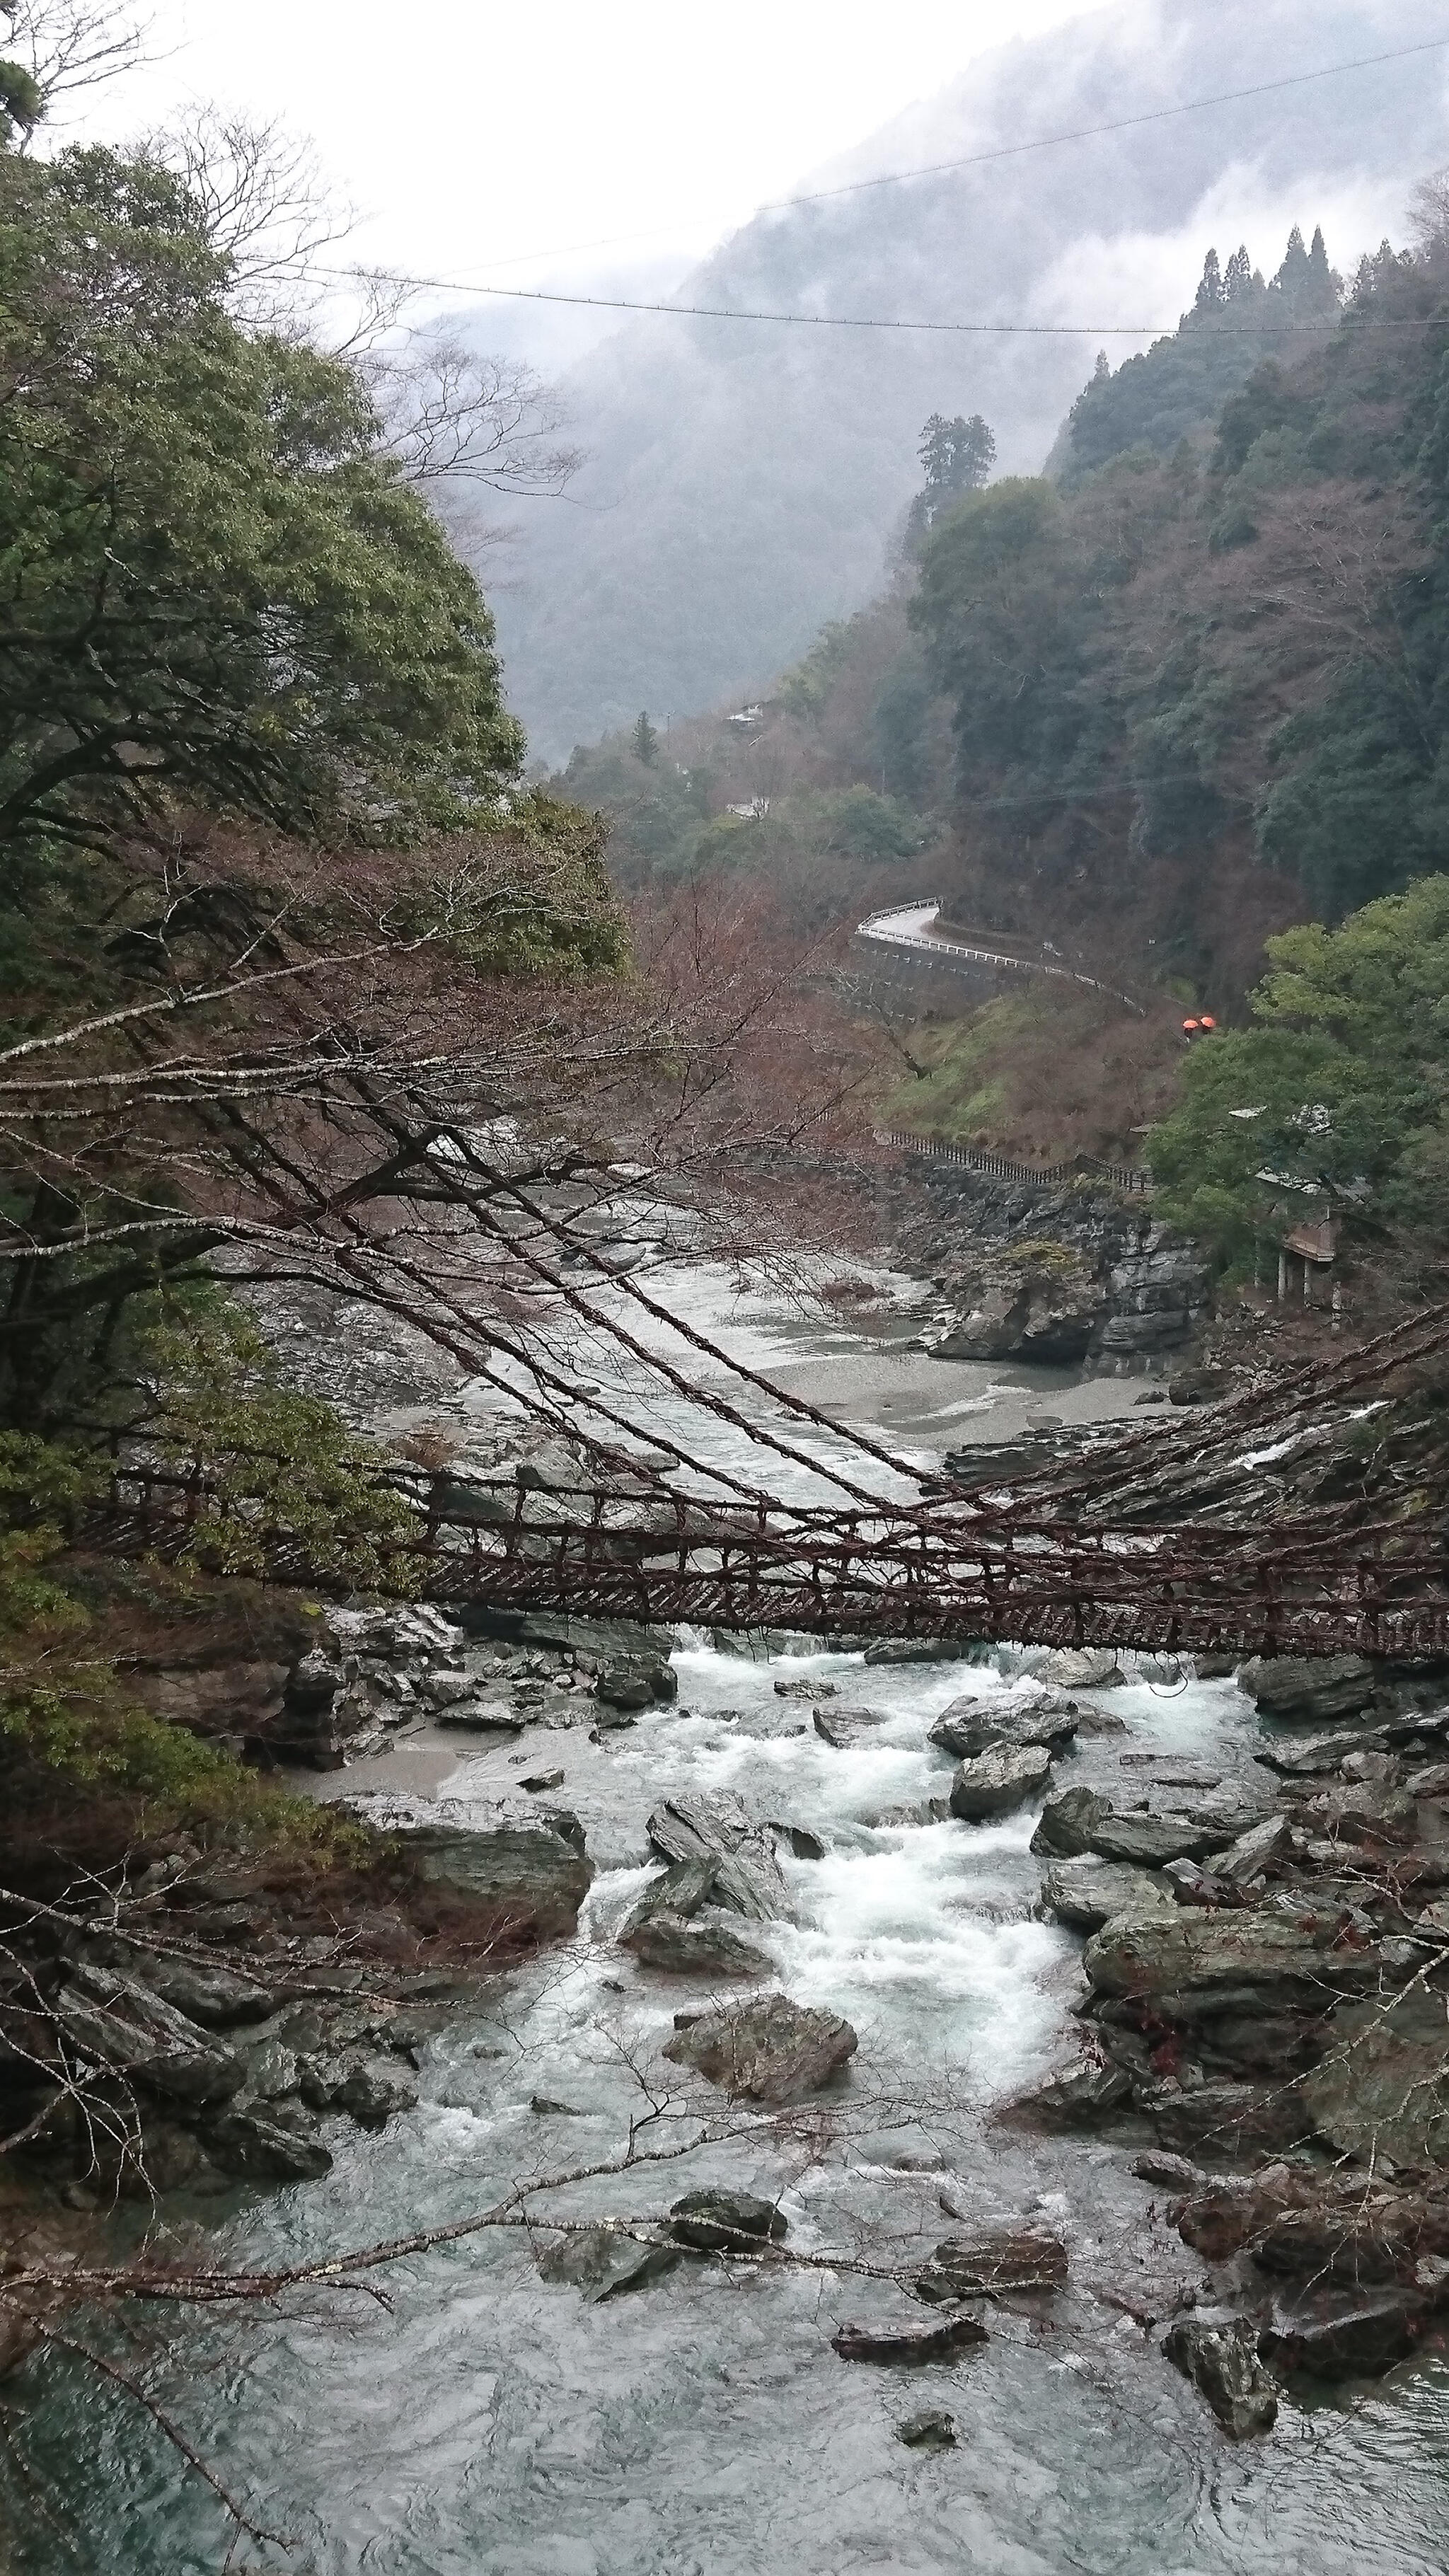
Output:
[[491, 2424]]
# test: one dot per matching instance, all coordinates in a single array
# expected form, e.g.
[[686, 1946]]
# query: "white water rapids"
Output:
[[493, 2425]]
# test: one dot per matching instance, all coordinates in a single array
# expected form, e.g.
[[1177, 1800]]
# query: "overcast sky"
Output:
[[510, 141]]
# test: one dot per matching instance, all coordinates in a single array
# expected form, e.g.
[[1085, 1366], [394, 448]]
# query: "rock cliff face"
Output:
[[1056, 1275]]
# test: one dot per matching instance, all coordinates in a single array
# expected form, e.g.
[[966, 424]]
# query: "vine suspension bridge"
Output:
[[1112, 1549]]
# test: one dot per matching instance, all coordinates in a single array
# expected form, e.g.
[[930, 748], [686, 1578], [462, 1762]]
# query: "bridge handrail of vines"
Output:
[[1060, 1558]]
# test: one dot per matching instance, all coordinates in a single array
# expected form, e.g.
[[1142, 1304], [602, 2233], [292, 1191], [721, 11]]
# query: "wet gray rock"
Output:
[[1258, 1955], [1074, 1668], [272, 2069], [1222, 2361], [995, 2260], [633, 1682], [1252, 1853], [265, 2142], [1301, 1756], [726, 2221], [116, 2023], [1088, 1893], [1362, 1811], [530, 1863], [1228, 2121], [1046, 1309], [924, 1811], [768, 2050], [1079, 2098], [803, 1843], [847, 1727], [1345, 2337], [1003, 1777], [698, 1945], [969, 1726], [370, 2096], [485, 1717], [907, 2343], [1383, 2087], [744, 1876], [1308, 1687], [695, 1824], [1081, 1820], [1066, 1823], [604, 2264], [679, 1890], [1173, 2173], [932, 2430], [926, 1650], [204, 1991]]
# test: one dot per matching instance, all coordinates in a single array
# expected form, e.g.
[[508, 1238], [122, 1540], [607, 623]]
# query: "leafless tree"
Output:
[[265, 206], [70, 45]]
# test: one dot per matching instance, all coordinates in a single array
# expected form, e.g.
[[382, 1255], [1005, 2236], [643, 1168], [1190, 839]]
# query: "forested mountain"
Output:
[[1160, 708], [746, 482]]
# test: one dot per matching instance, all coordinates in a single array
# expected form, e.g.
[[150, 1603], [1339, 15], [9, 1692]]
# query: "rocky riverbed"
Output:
[[969, 2106], [978, 2156]]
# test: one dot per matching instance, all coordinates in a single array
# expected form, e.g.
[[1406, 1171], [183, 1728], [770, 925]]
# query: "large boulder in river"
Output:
[[1082, 1820], [1003, 1777], [1074, 1668], [997, 2259], [529, 1863], [633, 1682], [1041, 1304], [968, 1726], [1206, 1957], [845, 1728], [695, 1945], [722, 2222], [1311, 1687], [693, 1823], [768, 2050], [1221, 2359], [1087, 1893], [745, 1877], [1383, 2087], [119, 2025], [603, 2262]]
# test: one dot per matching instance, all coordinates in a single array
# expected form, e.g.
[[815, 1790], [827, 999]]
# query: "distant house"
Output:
[[747, 716], [755, 811]]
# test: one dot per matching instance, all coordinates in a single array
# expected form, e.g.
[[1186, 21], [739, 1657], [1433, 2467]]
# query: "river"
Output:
[[493, 2425]]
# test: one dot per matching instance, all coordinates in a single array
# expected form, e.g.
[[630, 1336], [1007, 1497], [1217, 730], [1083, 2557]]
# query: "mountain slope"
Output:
[[744, 479]]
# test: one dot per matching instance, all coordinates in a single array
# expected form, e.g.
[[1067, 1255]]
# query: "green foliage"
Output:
[[865, 826], [1177, 388], [211, 586], [22, 103], [274, 1461], [646, 741], [957, 456], [1242, 642], [1006, 614], [805, 691], [1336, 1097]]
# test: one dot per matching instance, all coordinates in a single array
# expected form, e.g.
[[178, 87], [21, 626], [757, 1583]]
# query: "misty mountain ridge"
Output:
[[745, 480]]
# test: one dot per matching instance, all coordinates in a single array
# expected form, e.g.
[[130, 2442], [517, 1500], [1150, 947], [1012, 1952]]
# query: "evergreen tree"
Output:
[[1209, 295], [1238, 275], [646, 742], [957, 456]]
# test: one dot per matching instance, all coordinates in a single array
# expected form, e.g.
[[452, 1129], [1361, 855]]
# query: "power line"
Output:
[[1119, 125], [1006, 151], [877, 322]]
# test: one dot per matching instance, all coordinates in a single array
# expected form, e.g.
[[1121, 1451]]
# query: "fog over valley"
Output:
[[745, 482]]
